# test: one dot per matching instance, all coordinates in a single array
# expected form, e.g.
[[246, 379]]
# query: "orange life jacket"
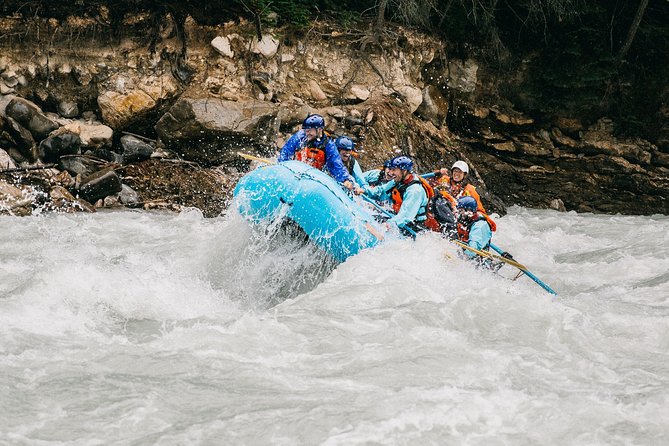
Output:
[[314, 153], [313, 156], [458, 190], [463, 230], [397, 195], [449, 197]]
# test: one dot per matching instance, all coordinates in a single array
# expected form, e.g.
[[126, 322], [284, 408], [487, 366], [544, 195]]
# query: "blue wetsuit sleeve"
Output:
[[479, 237], [371, 176], [357, 174], [335, 165], [290, 147], [379, 192], [414, 198]]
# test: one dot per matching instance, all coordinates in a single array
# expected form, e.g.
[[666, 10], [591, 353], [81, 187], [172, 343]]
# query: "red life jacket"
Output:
[[463, 229], [397, 195], [314, 153]]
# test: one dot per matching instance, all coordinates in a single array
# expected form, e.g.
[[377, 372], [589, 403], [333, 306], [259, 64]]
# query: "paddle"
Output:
[[255, 158], [387, 214], [487, 254], [522, 268]]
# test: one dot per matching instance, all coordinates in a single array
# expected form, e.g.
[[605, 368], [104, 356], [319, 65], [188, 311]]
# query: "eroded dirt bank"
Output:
[[103, 103]]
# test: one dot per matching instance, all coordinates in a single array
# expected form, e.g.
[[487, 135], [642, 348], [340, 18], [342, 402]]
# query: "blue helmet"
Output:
[[467, 203], [344, 143], [313, 122], [400, 162]]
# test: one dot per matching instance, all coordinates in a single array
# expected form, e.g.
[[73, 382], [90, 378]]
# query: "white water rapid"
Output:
[[159, 329]]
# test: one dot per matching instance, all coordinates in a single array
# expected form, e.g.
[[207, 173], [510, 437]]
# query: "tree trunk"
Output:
[[632, 31], [380, 17]]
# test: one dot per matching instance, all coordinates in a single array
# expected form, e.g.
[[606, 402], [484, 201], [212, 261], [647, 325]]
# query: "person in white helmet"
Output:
[[456, 185]]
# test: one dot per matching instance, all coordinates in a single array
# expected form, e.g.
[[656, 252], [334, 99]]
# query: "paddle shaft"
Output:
[[526, 272], [256, 158], [387, 213], [489, 255]]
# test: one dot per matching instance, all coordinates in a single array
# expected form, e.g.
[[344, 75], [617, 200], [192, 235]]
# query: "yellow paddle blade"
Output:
[[374, 232], [255, 158], [490, 255]]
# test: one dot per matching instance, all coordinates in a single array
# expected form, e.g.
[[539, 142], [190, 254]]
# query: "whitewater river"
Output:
[[145, 328]]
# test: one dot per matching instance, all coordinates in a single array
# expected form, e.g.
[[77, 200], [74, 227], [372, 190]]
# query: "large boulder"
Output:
[[129, 97], [211, 130], [31, 117]]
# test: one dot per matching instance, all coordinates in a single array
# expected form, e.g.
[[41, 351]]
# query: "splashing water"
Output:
[[149, 328]]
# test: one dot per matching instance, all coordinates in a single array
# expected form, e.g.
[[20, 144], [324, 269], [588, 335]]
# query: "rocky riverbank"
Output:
[[149, 109]]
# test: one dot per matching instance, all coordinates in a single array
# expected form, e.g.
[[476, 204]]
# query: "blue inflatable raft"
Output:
[[311, 199]]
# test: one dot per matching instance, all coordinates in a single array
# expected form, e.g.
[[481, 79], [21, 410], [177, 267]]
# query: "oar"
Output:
[[489, 255], [428, 175], [387, 214], [523, 269], [255, 158]]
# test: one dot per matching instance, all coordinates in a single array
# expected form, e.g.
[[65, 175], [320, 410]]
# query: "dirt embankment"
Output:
[[200, 87]]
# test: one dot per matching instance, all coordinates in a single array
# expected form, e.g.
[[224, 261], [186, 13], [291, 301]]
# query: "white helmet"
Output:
[[461, 165]]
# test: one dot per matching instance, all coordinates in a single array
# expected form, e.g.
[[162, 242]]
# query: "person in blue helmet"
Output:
[[313, 146], [474, 227], [345, 145], [409, 193], [376, 177]]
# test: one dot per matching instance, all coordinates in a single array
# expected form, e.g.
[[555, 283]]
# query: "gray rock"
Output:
[[31, 117], [55, 146], [134, 149], [99, 185], [128, 195], [558, 205], [23, 139], [262, 80], [222, 45], [68, 109], [434, 106], [78, 165]]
